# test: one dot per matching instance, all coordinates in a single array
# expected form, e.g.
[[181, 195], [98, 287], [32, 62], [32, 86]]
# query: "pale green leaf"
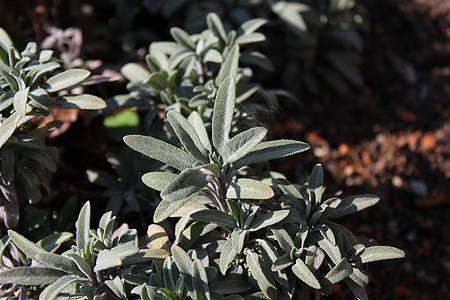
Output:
[[215, 25], [252, 25], [315, 184], [359, 276], [243, 143], [268, 219], [266, 151], [223, 113], [83, 226], [216, 217], [145, 255], [134, 72], [117, 286], [284, 240], [82, 265], [213, 56], [20, 101], [358, 291], [158, 180], [58, 262], [197, 123], [84, 101], [246, 188], [7, 128], [353, 204], [338, 272], [302, 271], [158, 81], [182, 38], [160, 150], [226, 256], [106, 259], [185, 265], [250, 38], [52, 291], [188, 183], [188, 136], [262, 274], [376, 253], [65, 80], [31, 275], [229, 66], [200, 281], [30, 249], [282, 262]]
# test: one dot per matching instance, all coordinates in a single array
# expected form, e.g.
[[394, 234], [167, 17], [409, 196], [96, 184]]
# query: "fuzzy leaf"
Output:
[[359, 276], [315, 184], [262, 275], [157, 238], [58, 262], [185, 265], [7, 128], [83, 226], [31, 275], [358, 291], [302, 271], [229, 66], [283, 238], [84, 101], [106, 259], [268, 219], [245, 188], [215, 216], [82, 265], [182, 38], [243, 143], [223, 113], [200, 281], [254, 37], [159, 150], [376, 253], [252, 25], [266, 151], [282, 262], [158, 180], [116, 285], [338, 272], [52, 291], [20, 101], [65, 80], [199, 127], [215, 25], [226, 256], [179, 192], [134, 72], [30, 249], [188, 136], [353, 204], [157, 81], [213, 56]]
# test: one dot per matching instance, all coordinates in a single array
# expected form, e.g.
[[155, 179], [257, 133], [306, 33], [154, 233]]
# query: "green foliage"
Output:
[[28, 85]]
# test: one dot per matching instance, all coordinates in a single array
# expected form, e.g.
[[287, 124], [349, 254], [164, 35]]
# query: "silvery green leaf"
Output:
[[226, 256], [331, 250], [31, 275], [158, 180], [268, 219], [358, 291], [45, 55], [223, 113], [125, 250], [229, 66], [250, 38], [315, 185], [83, 226], [185, 265], [359, 276], [193, 232], [283, 239], [65, 80], [82, 265], [158, 81], [5, 40], [213, 56], [188, 183], [262, 274], [251, 25], [246, 188], [134, 72], [182, 38], [26, 246], [157, 238], [197, 123], [353, 204], [238, 239], [243, 143], [266, 151], [302, 271], [216, 217], [188, 136], [314, 257], [178, 58], [159, 150], [20, 101], [145, 255], [289, 12], [270, 255], [339, 272], [200, 281], [375, 253], [231, 287], [107, 259], [7, 128], [250, 212], [215, 25], [84, 101], [257, 296], [116, 285], [10, 79], [344, 237], [52, 291], [282, 263], [58, 262]]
